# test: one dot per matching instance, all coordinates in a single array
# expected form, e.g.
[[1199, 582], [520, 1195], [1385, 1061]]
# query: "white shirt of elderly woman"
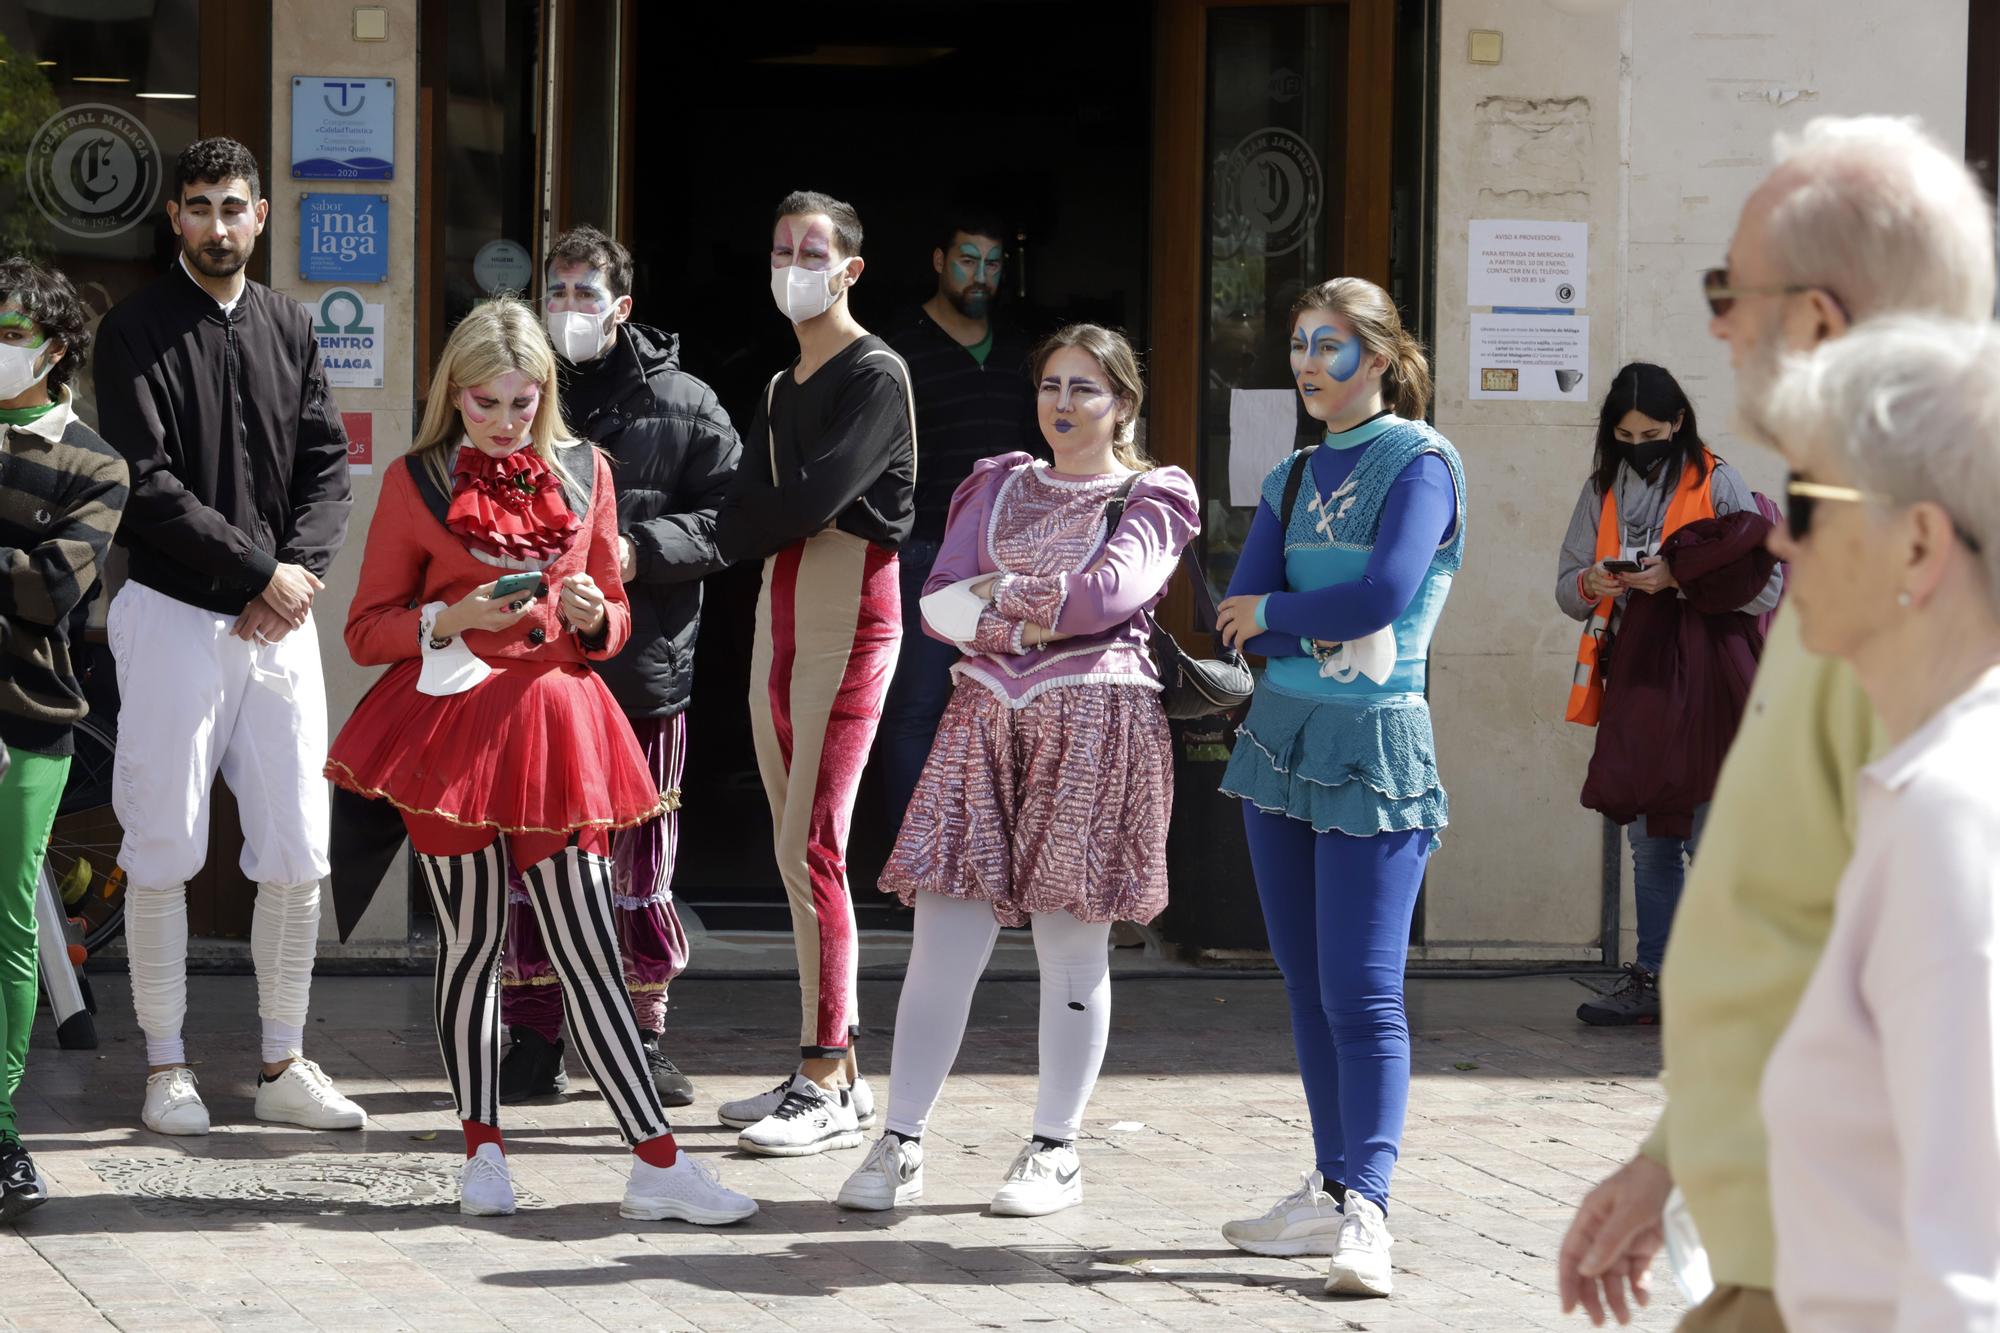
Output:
[[1882, 1100]]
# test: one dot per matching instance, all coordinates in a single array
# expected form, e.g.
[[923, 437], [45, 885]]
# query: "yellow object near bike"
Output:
[[76, 883]]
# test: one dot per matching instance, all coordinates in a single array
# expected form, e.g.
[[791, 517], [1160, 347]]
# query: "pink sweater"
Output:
[[1044, 535]]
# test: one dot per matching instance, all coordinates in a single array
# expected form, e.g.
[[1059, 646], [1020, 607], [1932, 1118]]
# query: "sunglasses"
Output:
[[1802, 497], [1722, 296]]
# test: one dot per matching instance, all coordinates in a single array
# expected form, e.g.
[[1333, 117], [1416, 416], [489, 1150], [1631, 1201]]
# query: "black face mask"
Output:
[[1645, 457]]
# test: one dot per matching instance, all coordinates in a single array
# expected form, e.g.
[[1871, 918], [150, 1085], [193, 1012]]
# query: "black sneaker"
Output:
[[672, 1085], [21, 1187], [1635, 1002], [533, 1068]]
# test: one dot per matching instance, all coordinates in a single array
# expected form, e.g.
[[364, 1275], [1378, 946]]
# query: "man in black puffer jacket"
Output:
[[672, 454]]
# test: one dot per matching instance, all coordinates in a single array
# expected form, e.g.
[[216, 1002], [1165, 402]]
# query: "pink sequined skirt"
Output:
[[1057, 806]]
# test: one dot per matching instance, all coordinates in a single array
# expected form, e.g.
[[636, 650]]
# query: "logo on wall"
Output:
[[1270, 191], [93, 170]]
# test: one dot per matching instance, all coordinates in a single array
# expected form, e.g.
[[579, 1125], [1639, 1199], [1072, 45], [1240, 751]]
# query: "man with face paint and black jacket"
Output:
[[210, 385], [824, 501], [673, 453]]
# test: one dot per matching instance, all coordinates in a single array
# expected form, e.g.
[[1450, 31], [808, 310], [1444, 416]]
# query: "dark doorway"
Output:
[[1043, 109]]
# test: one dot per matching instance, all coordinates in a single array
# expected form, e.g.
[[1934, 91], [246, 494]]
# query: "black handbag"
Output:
[[1191, 686]]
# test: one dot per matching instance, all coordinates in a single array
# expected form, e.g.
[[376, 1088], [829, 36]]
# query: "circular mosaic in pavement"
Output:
[[310, 1183]]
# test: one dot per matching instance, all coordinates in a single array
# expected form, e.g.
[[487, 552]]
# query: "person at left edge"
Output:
[[672, 453], [211, 387], [499, 746], [61, 491]]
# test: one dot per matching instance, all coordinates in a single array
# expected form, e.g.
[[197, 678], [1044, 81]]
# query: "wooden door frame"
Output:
[[1359, 233]]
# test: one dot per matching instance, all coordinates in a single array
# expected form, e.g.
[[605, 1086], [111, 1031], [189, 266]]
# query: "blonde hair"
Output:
[[499, 337], [1367, 309], [1114, 353]]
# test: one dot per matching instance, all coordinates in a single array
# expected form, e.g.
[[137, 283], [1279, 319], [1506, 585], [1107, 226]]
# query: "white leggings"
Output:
[[284, 939], [949, 947]]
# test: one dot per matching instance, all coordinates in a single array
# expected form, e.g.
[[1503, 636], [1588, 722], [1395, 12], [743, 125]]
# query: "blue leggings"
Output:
[[1338, 912]]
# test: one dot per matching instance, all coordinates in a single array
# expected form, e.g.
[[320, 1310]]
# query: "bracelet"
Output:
[[1321, 652], [427, 627]]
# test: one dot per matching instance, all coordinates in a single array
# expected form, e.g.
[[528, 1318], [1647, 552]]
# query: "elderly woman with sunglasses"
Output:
[[1882, 1100]]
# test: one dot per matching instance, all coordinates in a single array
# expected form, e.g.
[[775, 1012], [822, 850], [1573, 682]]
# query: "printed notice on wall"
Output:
[[1263, 426], [1536, 264], [1542, 358]]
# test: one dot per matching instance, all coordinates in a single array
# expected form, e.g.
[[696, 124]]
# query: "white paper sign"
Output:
[[1526, 263], [353, 339], [1263, 424], [1531, 357]]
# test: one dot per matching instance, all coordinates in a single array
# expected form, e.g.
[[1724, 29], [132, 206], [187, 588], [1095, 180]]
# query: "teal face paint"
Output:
[[973, 276]]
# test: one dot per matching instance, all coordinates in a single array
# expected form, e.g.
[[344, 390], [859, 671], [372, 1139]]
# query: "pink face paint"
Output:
[[806, 242], [500, 414]]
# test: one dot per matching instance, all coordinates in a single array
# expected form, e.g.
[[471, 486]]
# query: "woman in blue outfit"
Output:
[[1340, 585]]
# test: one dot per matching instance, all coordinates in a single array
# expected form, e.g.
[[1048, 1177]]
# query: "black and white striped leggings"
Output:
[[571, 895]]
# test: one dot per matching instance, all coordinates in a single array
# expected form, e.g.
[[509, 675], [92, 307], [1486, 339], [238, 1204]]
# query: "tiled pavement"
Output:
[[1515, 1111]]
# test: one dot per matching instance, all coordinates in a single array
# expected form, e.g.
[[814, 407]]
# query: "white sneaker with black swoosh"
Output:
[[1043, 1180]]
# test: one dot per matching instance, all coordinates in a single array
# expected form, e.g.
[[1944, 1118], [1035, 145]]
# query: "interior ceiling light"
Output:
[[167, 97], [44, 64], [97, 78], [862, 56]]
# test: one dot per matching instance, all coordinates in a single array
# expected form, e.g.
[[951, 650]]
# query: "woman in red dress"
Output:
[[489, 583]]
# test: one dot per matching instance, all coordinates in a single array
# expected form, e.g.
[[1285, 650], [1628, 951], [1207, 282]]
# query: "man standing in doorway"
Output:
[[210, 385], [1863, 216], [673, 453], [974, 400], [825, 502]]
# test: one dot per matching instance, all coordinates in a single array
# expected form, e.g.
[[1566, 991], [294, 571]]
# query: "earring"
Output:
[[1904, 599]]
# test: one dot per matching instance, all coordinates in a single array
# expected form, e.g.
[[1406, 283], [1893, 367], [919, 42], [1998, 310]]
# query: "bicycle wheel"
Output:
[[83, 844]]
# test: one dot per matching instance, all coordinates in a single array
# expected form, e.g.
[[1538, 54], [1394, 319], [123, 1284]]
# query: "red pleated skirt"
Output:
[[536, 747]]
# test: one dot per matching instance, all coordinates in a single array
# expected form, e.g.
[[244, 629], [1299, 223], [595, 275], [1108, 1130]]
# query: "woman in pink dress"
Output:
[[1046, 795]]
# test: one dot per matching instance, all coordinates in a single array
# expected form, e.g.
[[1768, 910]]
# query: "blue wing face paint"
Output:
[[1327, 350]]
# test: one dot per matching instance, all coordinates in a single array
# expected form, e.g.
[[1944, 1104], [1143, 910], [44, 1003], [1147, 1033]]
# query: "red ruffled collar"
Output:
[[511, 507]]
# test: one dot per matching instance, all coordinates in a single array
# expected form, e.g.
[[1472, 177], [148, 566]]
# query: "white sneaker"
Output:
[[687, 1191], [1306, 1221], [891, 1175], [304, 1095], [485, 1185], [173, 1106], [1043, 1180], [809, 1120], [747, 1111], [1360, 1265]]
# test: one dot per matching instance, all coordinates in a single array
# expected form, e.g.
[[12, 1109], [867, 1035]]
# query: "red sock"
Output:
[[478, 1132], [660, 1152]]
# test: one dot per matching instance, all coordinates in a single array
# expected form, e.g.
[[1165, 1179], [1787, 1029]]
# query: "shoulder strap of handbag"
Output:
[[1204, 596], [1293, 480]]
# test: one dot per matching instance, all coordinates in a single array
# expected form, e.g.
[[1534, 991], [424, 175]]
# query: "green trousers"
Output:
[[28, 797]]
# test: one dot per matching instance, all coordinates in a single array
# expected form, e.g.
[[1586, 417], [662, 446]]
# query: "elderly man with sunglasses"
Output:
[[1861, 217]]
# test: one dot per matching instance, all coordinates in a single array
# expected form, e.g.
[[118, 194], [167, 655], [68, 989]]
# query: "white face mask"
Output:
[[17, 369], [579, 336], [803, 293]]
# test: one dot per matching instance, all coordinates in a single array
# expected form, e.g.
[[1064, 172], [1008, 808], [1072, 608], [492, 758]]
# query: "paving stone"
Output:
[[1198, 1119]]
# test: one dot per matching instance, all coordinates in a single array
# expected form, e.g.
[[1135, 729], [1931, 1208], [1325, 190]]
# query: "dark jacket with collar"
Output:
[[1677, 677], [673, 452], [238, 458]]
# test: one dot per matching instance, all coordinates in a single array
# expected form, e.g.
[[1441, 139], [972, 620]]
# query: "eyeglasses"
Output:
[[1722, 296], [1802, 497]]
